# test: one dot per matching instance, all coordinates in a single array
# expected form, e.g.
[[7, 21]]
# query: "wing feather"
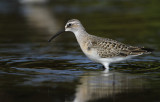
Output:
[[111, 48]]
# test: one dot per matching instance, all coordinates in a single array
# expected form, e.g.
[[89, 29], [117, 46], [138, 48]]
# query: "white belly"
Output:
[[92, 55]]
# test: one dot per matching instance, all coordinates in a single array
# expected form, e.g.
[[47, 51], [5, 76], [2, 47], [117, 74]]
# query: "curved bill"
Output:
[[54, 36]]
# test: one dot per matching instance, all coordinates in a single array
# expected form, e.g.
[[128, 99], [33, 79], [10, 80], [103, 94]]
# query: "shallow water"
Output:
[[31, 69]]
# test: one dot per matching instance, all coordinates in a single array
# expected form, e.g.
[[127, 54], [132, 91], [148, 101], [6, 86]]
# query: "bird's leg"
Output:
[[106, 65]]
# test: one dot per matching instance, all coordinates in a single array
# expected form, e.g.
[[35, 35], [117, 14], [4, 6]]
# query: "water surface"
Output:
[[31, 69]]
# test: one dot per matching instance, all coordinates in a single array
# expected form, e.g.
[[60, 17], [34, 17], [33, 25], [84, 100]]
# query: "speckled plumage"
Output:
[[102, 50], [111, 48]]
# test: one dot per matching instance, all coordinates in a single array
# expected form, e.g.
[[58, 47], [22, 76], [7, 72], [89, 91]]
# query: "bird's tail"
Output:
[[147, 50], [140, 51]]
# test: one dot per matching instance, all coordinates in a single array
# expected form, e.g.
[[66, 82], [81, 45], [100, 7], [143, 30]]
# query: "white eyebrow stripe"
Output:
[[71, 22]]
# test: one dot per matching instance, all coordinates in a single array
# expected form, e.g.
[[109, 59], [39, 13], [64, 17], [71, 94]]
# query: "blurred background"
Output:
[[31, 69]]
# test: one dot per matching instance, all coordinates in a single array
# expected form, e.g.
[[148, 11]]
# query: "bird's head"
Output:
[[73, 25]]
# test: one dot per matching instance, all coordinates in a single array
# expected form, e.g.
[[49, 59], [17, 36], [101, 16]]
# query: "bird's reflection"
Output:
[[98, 85]]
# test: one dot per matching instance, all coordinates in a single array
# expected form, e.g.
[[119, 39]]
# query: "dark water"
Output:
[[33, 70]]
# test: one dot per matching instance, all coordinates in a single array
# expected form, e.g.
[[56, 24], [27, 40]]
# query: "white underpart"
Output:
[[105, 61]]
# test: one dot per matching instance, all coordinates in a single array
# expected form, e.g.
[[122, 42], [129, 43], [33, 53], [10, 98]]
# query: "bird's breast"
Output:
[[91, 53]]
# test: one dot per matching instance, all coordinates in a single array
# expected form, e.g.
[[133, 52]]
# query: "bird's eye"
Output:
[[69, 25]]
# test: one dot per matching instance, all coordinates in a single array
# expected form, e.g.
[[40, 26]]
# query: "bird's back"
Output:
[[110, 48]]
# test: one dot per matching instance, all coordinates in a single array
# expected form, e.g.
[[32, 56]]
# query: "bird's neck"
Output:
[[80, 35]]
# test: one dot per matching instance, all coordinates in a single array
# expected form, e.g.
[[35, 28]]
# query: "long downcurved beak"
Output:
[[54, 36]]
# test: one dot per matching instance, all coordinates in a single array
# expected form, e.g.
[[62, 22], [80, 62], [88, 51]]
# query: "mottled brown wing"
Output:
[[111, 48]]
